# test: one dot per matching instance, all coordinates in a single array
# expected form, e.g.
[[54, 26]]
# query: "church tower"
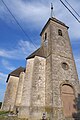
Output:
[[51, 85], [61, 82], [48, 87]]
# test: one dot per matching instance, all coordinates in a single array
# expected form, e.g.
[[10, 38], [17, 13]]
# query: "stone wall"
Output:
[[20, 89], [38, 88], [58, 51], [26, 94], [33, 98], [10, 94]]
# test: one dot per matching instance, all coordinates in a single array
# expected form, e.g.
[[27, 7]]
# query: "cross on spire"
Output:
[[51, 10]]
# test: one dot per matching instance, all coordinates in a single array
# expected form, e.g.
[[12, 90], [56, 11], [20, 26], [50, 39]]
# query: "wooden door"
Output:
[[68, 99]]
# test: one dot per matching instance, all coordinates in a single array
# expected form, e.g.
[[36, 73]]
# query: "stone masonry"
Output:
[[10, 94], [49, 85]]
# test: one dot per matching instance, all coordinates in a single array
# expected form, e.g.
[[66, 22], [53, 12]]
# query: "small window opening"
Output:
[[65, 66], [45, 36], [60, 32]]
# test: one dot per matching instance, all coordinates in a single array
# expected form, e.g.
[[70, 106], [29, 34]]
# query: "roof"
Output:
[[16, 72], [55, 20], [38, 52]]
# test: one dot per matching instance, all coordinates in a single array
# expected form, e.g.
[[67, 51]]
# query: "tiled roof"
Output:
[[38, 52], [16, 72]]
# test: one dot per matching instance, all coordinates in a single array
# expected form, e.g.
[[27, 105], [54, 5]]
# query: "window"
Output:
[[65, 66], [45, 38], [60, 32]]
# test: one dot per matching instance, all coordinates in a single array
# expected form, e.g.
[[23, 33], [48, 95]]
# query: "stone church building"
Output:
[[48, 86]]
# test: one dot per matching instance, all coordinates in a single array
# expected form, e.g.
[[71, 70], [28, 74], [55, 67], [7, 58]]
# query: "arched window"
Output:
[[45, 38], [59, 32], [68, 99]]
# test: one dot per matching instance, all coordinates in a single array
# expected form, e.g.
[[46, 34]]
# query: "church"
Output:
[[48, 86]]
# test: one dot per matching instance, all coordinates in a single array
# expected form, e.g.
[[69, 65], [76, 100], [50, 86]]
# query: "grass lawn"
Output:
[[4, 116], [10, 118]]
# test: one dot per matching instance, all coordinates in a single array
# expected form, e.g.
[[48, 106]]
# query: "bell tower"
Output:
[[61, 82]]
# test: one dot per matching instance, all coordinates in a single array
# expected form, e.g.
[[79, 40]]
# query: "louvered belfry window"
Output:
[[59, 32]]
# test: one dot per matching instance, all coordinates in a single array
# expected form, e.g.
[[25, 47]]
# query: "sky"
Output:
[[32, 16]]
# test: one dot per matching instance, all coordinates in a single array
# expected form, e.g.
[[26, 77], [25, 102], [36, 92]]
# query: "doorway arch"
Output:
[[68, 99]]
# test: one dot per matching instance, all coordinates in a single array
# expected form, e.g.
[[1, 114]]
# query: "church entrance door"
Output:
[[68, 99]]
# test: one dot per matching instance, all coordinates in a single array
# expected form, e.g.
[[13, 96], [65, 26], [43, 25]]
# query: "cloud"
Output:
[[78, 60], [34, 13], [26, 46], [64, 15], [21, 51], [3, 77], [7, 65]]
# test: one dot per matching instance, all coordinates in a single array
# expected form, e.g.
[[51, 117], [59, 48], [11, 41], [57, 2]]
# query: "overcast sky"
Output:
[[32, 16]]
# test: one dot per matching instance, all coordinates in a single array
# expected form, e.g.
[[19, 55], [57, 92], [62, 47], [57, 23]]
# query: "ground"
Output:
[[5, 116], [10, 118]]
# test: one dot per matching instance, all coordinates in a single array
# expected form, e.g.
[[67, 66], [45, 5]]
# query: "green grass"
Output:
[[3, 112], [4, 116], [10, 118]]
